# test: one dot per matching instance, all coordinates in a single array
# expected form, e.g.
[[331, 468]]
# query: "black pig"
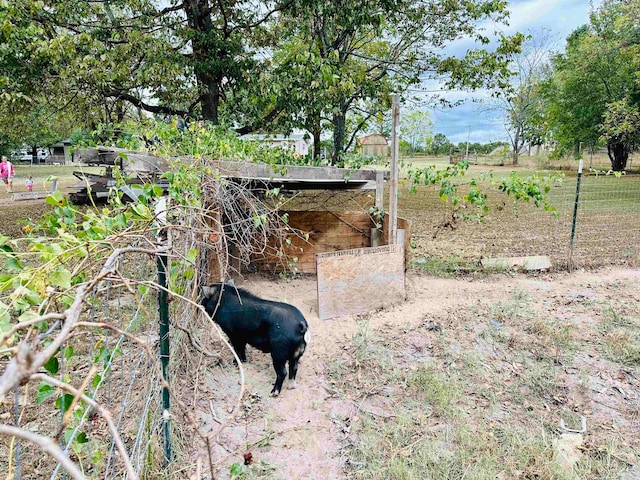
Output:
[[274, 327]]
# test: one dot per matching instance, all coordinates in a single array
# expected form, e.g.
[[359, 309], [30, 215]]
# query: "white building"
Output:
[[295, 141]]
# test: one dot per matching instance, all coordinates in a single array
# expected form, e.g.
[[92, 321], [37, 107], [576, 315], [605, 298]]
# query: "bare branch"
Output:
[[47, 445], [104, 413]]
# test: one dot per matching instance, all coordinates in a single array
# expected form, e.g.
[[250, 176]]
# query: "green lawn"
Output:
[[41, 173]]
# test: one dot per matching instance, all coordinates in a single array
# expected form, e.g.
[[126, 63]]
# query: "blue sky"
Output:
[[561, 17]]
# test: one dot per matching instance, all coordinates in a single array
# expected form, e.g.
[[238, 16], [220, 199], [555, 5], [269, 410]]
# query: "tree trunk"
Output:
[[316, 131], [618, 155], [210, 100], [339, 133], [199, 19], [516, 147]]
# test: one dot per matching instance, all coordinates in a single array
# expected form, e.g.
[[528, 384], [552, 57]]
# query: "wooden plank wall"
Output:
[[328, 232]]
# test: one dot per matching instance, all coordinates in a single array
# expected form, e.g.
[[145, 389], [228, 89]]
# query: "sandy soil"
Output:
[[300, 434]]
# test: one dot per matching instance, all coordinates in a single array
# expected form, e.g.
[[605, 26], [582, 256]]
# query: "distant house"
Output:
[[374, 145], [60, 153], [295, 141]]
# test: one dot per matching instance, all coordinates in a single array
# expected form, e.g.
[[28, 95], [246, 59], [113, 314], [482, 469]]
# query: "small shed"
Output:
[[59, 153], [296, 141], [374, 144]]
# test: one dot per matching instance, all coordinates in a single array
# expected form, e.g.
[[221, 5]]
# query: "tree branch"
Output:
[[47, 445]]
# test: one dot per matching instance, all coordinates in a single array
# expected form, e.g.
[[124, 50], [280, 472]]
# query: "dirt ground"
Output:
[[307, 432], [517, 351]]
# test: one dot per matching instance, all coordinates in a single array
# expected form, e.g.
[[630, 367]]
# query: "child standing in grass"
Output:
[[30, 183]]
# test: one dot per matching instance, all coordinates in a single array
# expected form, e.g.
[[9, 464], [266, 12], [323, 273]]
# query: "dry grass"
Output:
[[485, 403]]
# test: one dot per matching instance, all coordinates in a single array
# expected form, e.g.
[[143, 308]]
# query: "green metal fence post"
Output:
[[575, 217], [163, 305]]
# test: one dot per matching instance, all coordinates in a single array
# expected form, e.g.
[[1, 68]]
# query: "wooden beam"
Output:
[[295, 172], [393, 183], [380, 189]]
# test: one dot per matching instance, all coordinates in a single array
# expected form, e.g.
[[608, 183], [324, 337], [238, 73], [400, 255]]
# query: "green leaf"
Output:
[[188, 273], [53, 365], [27, 316], [12, 264], [61, 278], [236, 469], [192, 255], [68, 352], [44, 391], [63, 402], [141, 210], [55, 198]]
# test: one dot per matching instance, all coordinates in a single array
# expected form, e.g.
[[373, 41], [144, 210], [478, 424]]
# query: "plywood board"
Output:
[[361, 280]]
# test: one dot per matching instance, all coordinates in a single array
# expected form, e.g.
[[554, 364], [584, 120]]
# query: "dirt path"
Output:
[[300, 434]]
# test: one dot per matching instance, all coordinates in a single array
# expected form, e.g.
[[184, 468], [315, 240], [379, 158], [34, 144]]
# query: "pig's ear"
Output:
[[208, 291]]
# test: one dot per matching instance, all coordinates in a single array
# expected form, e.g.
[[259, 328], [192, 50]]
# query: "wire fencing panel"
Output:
[[112, 359], [608, 221], [607, 229]]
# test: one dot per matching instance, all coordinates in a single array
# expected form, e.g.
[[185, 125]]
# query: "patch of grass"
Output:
[[257, 471], [516, 309], [605, 462], [540, 378], [443, 425], [367, 364], [403, 449], [622, 346], [621, 337], [556, 335], [497, 333], [448, 267], [439, 391]]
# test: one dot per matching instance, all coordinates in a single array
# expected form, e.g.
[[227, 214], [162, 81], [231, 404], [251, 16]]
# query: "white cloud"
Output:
[[559, 16]]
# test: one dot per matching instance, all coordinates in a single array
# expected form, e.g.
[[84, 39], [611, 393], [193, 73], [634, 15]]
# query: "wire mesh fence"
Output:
[[607, 225], [108, 363]]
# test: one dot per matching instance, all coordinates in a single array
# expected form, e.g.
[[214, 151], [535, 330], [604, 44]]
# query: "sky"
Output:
[[473, 121]]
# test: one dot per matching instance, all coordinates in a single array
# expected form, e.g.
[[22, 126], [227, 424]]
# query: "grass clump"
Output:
[[436, 389], [621, 337], [449, 267]]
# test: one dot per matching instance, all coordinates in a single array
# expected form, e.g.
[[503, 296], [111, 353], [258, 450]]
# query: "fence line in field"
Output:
[[607, 227]]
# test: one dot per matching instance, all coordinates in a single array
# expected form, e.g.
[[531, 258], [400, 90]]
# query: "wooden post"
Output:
[[380, 189], [393, 183]]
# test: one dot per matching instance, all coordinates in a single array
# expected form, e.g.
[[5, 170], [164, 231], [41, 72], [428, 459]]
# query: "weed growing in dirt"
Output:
[[438, 390], [256, 471], [540, 378], [366, 365], [621, 337], [517, 309]]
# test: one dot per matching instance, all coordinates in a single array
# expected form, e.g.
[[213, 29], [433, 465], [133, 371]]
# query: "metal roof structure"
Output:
[[293, 177]]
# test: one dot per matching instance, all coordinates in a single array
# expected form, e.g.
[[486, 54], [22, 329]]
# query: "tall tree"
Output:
[[598, 70], [416, 129], [176, 57], [358, 52], [520, 102]]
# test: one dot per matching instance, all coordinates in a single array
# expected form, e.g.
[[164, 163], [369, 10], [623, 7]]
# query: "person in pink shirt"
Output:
[[7, 172]]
